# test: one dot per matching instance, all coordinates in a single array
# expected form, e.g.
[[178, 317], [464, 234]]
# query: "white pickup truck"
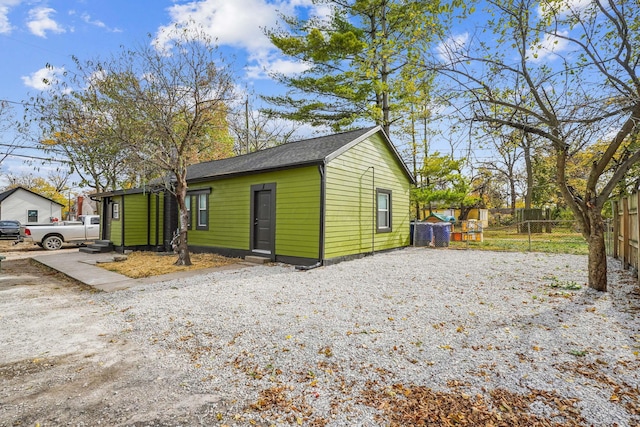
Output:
[[51, 237]]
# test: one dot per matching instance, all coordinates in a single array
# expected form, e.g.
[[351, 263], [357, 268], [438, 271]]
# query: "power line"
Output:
[[48, 159], [21, 103]]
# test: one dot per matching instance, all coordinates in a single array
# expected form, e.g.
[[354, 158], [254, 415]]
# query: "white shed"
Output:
[[28, 207]]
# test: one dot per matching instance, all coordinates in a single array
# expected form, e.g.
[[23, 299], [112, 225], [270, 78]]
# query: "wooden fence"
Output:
[[625, 231]]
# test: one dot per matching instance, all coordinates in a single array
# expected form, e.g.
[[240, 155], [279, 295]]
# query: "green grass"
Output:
[[559, 241]]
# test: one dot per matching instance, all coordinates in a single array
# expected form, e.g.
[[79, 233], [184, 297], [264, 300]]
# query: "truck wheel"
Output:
[[52, 243]]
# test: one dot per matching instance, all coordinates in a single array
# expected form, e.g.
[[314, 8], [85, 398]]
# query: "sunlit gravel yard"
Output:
[[411, 337]]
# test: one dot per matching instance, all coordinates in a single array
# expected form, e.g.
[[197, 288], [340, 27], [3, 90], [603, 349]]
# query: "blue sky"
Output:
[[37, 33], [34, 33]]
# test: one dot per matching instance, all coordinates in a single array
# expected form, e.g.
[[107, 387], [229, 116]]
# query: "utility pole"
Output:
[[246, 122]]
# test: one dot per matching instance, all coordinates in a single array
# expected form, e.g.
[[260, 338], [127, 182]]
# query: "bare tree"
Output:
[[80, 125], [507, 162], [256, 130], [169, 102], [147, 112], [11, 134], [566, 73]]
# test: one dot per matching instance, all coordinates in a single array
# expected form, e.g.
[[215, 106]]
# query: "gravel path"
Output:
[[324, 346]]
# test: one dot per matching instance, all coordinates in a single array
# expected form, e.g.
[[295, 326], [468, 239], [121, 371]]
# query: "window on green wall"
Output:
[[115, 210], [197, 202], [383, 207], [203, 212]]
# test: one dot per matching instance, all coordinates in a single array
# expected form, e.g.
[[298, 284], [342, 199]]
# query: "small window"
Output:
[[203, 212], [115, 210], [32, 215], [384, 210]]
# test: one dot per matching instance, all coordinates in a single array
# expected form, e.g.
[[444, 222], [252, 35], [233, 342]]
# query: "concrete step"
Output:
[[89, 250], [257, 259], [99, 246]]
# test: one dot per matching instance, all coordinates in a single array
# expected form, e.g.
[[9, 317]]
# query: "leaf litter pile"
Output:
[[141, 264], [514, 340]]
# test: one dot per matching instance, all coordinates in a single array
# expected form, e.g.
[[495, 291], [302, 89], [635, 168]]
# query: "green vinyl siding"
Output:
[[297, 212], [352, 180], [136, 219], [156, 236], [115, 232]]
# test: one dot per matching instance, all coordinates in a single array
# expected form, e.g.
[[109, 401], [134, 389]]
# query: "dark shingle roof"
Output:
[[298, 153], [7, 193], [308, 151]]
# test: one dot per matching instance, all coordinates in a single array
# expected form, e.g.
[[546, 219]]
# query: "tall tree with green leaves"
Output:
[[442, 183], [365, 61], [566, 72]]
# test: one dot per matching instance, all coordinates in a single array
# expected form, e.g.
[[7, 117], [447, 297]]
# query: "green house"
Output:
[[316, 201]]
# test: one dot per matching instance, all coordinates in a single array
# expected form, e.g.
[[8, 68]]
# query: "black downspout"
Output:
[[157, 220], [148, 222], [103, 218], [323, 200], [323, 186], [122, 215]]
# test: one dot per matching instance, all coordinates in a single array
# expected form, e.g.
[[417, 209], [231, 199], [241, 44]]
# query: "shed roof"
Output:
[[4, 195]]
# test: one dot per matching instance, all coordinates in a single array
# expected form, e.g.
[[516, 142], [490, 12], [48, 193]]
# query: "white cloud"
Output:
[[42, 78], [565, 7], [235, 23], [97, 23], [549, 46], [239, 24], [5, 7], [40, 22], [449, 50], [265, 67]]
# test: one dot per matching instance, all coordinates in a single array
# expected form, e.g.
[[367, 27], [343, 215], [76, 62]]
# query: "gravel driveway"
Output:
[[438, 337]]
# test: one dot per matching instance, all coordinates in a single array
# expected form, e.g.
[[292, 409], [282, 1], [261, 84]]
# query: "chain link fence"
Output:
[[555, 236]]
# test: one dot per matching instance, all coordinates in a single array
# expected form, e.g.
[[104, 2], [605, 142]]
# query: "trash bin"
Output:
[[441, 234], [423, 233]]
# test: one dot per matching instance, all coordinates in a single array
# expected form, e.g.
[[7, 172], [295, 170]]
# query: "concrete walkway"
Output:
[[82, 267]]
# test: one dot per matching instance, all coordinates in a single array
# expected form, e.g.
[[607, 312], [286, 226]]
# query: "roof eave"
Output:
[[255, 171], [366, 135]]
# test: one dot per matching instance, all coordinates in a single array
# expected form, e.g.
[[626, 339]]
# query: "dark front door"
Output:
[[262, 221], [263, 211], [106, 219]]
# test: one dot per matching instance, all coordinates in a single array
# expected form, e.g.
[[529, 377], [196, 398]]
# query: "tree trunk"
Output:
[[513, 195], [597, 251], [529, 171], [183, 247], [589, 215]]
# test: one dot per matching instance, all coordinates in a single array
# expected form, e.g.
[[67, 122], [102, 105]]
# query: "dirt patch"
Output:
[[147, 264], [61, 363], [21, 250]]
